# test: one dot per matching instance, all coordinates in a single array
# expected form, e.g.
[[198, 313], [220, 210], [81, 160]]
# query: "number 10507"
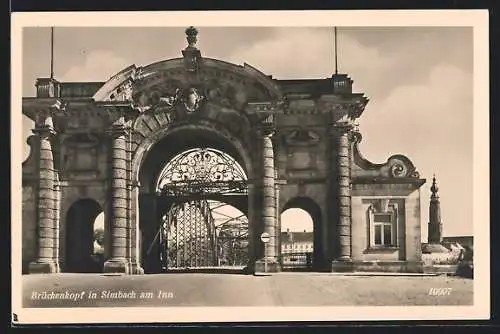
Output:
[[440, 291]]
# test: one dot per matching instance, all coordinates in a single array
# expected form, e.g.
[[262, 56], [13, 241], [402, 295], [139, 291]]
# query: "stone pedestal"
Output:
[[272, 265], [342, 266], [57, 217], [43, 267], [118, 262]]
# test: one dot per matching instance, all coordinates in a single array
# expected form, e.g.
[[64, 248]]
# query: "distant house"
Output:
[[296, 242], [296, 249]]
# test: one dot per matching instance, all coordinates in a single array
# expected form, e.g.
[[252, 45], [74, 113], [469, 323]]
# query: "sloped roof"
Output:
[[297, 237], [463, 240]]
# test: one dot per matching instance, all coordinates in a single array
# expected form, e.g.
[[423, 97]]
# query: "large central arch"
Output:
[[158, 151]]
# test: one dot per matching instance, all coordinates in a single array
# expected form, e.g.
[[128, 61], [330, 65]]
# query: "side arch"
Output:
[[79, 239], [314, 210]]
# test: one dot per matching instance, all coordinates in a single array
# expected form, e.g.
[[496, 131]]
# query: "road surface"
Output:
[[283, 289]]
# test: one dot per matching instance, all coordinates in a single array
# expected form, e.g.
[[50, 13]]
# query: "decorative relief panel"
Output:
[[301, 137], [80, 156], [300, 146]]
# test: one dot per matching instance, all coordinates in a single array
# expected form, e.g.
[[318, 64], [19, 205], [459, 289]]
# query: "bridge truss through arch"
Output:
[[200, 230]]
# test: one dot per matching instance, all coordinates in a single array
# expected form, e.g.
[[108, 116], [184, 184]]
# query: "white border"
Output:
[[478, 19]]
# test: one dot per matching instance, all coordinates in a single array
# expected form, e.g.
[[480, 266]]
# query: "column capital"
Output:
[[343, 126], [342, 129], [117, 130], [45, 131], [266, 131]]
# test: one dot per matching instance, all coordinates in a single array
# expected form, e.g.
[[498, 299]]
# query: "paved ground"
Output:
[[284, 289]]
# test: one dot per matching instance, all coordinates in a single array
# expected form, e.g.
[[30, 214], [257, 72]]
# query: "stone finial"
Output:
[[434, 187], [191, 54], [191, 37]]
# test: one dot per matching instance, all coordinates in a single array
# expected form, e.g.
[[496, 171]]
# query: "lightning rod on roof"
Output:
[[52, 52], [335, 50]]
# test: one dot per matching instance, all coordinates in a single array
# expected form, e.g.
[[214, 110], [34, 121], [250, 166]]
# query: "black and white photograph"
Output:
[[257, 166]]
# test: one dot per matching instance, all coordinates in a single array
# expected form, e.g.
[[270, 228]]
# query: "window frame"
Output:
[[391, 211]]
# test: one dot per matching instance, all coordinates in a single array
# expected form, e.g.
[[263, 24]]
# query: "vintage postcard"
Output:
[[250, 166]]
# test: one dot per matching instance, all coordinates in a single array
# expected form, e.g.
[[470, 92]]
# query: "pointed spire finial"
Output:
[[434, 187]]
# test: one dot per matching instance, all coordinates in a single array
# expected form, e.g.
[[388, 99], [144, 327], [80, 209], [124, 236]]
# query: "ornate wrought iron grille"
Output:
[[190, 237], [202, 171]]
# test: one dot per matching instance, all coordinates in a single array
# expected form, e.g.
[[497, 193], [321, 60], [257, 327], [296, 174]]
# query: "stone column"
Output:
[[277, 212], [268, 204], [343, 262], [45, 261], [57, 219], [135, 265], [118, 203], [252, 228]]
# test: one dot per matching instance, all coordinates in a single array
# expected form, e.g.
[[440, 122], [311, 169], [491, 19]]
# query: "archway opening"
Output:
[[84, 237], [300, 240], [200, 203]]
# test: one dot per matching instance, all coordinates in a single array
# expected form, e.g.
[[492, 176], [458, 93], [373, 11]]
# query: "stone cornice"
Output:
[[301, 103], [388, 180]]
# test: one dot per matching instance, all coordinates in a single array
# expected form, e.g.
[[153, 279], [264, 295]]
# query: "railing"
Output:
[[342, 83], [291, 261], [47, 87]]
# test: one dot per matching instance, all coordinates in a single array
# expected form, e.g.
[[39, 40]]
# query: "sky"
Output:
[[418, 80]]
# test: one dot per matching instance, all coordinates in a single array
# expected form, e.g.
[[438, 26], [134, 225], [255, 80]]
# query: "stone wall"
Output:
[[407, 200], [29, 234], [29, 200]]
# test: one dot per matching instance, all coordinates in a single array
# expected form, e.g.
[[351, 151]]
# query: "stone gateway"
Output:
[[103, 147]]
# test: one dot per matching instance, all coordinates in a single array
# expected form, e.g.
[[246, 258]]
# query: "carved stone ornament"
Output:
[[380, 205], [402, 167], [302, 137], [190, 98], [397, 166]]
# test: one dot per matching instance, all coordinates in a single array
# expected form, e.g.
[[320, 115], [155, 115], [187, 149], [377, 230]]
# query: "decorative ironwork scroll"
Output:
[[190, 237], [202, 171]]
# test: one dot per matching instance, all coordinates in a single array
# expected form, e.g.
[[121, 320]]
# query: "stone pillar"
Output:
[[118, 204], [45, 260], [277, 212], [343, 261], [135, 266], [57, 218], [268, 205], [252, 228]]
